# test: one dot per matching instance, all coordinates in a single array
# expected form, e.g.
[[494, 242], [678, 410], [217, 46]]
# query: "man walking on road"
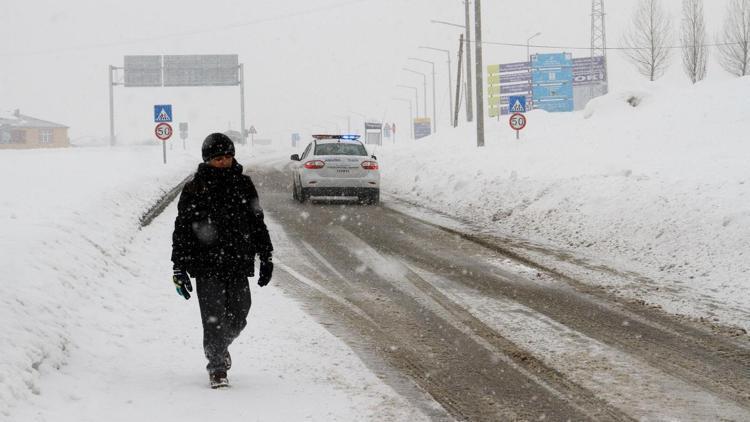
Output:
[[218, 231]]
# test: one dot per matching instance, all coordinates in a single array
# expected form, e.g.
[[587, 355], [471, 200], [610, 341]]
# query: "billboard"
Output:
[[589, 81], [201, 70], [552, 82], [374, 133], [586, 73], [422, 127], [142, 71], [505, 80]]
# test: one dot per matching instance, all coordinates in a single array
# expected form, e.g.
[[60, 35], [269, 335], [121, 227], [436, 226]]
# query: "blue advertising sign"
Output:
[[517, 104], [162, 113], [552, 81], [422, 128]]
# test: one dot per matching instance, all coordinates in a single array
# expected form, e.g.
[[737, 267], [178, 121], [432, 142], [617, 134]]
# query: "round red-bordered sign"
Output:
[[163, 131], [517, 121]]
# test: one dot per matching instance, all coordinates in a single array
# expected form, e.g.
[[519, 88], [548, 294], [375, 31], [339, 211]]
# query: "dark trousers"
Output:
[[225, 302]]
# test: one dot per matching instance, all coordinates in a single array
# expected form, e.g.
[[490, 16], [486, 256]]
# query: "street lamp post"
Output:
[[528, 51], [416, 95], [411, 116], [424, 86], [450, 79], [434, 99], [467, 40]]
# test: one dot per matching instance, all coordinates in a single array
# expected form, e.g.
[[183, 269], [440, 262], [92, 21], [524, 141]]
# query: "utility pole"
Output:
[[480, 87], [469, 105], [458, 80]]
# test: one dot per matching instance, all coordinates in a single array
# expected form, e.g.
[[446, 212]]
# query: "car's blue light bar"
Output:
[[344, 137]]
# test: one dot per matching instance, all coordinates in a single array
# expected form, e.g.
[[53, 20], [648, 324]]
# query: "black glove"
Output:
[[181, 281], [266, 269]]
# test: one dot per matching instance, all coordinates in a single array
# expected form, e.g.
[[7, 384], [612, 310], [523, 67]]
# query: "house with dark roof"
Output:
[[18, 131]]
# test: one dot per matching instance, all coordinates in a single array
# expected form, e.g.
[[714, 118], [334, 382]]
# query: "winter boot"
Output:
[[228, 361], [218, 380]]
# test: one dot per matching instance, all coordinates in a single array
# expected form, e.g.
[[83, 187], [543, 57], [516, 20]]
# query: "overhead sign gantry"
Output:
[[178, 71]]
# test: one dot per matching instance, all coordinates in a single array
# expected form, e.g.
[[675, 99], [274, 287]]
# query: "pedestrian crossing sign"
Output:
[[162, 113], [517, 104]]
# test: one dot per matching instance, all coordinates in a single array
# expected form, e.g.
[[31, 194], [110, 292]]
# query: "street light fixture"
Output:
[[467, 39], [528, 43], [450, 79], [416, 95], [424, 85], [434, 108], [447, 23]]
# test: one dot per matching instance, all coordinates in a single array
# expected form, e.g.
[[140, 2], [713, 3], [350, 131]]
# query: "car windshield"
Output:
[[340, 148]]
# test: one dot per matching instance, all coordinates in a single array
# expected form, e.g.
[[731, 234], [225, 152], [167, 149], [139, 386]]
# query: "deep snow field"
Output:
[[659, 193]]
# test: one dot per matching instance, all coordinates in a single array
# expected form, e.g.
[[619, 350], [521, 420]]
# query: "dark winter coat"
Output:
[[219, 225]]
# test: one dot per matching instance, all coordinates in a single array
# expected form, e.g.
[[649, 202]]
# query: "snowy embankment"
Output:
[[653, 183], [67, 216]]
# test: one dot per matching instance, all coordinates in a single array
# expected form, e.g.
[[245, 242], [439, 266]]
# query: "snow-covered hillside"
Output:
[[659, 191]]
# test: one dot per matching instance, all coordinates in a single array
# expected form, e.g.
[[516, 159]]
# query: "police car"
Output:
[[336, 166]]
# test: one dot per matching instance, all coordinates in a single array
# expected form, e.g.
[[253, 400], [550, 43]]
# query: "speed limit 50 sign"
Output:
[[517, 121], [163, 131]]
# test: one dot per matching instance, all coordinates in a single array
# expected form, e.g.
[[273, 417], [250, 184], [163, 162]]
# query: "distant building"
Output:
[[21, 132]]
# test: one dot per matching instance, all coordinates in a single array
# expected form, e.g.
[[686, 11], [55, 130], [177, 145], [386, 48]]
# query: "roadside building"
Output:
[[18, 131]]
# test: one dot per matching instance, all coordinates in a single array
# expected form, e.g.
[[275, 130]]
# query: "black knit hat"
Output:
[[217, 144]]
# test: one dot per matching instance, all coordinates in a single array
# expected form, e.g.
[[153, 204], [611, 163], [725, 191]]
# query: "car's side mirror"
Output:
[[374, 157], [295, 157]]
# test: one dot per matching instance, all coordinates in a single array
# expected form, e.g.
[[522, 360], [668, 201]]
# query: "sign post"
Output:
[[183, 133], [252, 131], [163, 131], [517, 123]]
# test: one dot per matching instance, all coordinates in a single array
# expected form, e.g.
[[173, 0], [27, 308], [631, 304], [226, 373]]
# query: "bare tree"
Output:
[[694, 51], [646, 41], [734, 47]]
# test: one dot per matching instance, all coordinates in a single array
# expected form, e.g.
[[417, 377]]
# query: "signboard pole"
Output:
[[242, 103], [111, 106], [163, 130], [517, 122]]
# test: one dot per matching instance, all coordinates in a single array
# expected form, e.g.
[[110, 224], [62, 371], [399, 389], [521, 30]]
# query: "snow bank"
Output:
[[653, 182], [65, 216]]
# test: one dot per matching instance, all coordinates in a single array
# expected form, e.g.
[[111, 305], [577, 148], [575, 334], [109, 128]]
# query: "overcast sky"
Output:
[[308, 63]]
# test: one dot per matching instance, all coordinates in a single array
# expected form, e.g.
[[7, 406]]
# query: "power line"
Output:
[[606, 48], [187, 33]]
